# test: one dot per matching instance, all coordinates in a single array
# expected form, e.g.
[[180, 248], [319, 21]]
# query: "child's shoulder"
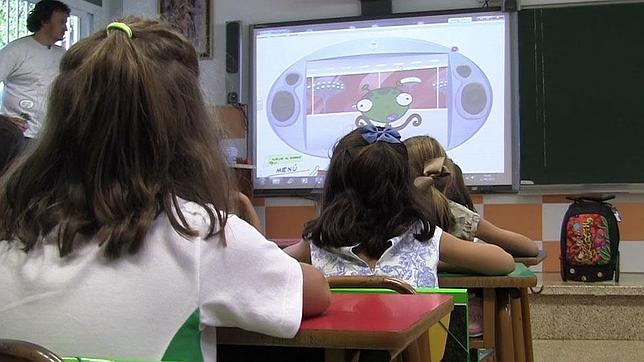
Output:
[[198, 217], [410, 236], [466, 221], [459, 210]]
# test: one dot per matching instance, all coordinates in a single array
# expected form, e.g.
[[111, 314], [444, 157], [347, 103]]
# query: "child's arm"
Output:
[[443, 267], [300, 251], [316, 292], [247, 211], [514, 243], [316, 288], [474, 257]]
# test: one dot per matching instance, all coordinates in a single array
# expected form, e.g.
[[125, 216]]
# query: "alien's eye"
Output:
[[404, 99], [364, 105]]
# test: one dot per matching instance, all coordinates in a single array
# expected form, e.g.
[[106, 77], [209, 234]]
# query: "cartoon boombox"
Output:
[[321, 97]]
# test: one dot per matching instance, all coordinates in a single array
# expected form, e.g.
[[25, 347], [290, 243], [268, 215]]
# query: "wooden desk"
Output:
[[389, 322], [506, 311], [532, 260]]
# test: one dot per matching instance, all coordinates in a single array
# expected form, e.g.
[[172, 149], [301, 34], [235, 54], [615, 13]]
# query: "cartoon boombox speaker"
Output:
[[392, 82]]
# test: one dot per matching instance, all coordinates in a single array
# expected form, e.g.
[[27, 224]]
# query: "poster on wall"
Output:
[[192, 19]]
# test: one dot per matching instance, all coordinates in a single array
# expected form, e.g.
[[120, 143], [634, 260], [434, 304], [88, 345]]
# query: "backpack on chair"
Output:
[[590, 240]]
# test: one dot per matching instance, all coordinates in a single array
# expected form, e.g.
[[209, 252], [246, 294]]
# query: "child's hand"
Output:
[[19, 122]]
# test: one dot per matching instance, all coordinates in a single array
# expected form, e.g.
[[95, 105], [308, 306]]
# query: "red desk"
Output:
[[387, 322]]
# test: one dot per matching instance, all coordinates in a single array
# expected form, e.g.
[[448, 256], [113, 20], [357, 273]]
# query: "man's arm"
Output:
[[17, 122], [7, 62]]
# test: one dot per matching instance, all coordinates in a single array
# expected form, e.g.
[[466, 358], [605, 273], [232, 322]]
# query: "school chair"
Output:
[[458, 345], [12, 350], [87, 359], [369, 282]]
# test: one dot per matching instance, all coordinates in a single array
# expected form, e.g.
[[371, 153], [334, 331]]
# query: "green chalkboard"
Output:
[[581, 75]]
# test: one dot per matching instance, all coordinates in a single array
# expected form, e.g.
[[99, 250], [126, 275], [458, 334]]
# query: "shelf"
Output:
[[243, 166]]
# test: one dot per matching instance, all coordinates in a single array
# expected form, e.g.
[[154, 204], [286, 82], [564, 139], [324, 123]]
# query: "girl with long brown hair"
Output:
[[118, 241]]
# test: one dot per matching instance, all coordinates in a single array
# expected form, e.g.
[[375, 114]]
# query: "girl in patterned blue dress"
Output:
[[374, 221]]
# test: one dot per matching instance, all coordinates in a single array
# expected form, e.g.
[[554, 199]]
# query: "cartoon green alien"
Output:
[[384, 106]]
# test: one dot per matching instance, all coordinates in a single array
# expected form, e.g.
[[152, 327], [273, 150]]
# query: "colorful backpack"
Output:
[[590, 240]]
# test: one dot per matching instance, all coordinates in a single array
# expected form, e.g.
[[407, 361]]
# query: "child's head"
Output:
[[423, 149], [369, 196], [428, 160], [374, 170], [126, 134]]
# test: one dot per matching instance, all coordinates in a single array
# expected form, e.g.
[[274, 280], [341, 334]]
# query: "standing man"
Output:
[[28, 66]]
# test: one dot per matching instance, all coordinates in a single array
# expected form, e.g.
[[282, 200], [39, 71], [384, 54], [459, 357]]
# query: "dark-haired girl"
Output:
[[374, 221]]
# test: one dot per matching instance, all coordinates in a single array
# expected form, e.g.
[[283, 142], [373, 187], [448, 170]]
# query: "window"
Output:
[[73, 32], [13, 19]]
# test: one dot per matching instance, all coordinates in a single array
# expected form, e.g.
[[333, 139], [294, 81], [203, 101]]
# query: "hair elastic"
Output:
[[119, 26], [371, 134]]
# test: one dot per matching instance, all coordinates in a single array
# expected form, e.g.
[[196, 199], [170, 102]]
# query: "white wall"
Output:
[[112, 9], [83, 9], [265, 11]]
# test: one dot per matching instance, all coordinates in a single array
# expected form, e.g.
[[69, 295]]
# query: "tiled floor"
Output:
[[588, 351]]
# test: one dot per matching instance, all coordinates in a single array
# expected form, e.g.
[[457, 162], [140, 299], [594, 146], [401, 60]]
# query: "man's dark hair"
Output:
[[42, 13]]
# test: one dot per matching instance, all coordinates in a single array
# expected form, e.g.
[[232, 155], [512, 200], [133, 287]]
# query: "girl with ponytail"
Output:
[[374, 221], [428, 160]]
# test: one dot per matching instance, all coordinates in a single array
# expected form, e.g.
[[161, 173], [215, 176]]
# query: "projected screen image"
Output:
[[446, 76]]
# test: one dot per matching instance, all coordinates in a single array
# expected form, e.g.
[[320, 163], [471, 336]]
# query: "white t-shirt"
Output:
[[133, 307], [408, 259], [27, 69]]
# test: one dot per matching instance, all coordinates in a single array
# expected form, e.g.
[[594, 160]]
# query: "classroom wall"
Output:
[[265, 11], [97, 11], [535, 215]]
